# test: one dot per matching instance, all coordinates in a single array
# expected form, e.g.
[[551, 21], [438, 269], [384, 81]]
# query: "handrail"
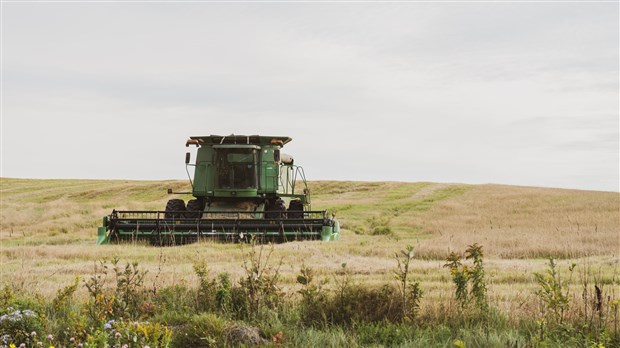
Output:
[[155, 215]]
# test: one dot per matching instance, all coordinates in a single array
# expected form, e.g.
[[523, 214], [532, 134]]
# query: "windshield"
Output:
[[236, 169]]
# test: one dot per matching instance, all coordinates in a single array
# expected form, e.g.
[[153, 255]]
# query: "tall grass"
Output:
[[127, 312]]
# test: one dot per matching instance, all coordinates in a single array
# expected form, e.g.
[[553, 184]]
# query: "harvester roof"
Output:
[[238, 139]]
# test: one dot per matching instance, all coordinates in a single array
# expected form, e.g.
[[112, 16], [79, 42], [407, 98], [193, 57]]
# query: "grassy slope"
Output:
[[48, 228]]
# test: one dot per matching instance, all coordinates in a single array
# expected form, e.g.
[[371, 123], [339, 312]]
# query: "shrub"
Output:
[[176, 298], [358, 303], [222, 294], [313, 297], [553, 293], [469, 282], [410, 291], [21, 318], [350, 303], [200, 330], [63, 316], [19, 326], [205, 300], [459, 277], [129, 298], [132, 334], [259, 286], [476, 276], [129, 292]]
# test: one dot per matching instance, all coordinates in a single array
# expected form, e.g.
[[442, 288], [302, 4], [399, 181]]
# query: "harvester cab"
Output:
[[243, 187]]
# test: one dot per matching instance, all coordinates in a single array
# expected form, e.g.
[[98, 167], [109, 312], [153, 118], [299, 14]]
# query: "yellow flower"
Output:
[[11, 345], [52, 347], [459, 344]]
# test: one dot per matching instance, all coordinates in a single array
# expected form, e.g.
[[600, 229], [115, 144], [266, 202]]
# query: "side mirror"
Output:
[[187, 156], [276, 155]]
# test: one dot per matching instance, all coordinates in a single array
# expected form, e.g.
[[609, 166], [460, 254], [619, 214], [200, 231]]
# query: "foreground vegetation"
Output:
[[546, 276], [257, 310]]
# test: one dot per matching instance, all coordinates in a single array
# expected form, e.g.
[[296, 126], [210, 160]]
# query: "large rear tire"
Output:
[[194, 209], [175, 209], [275, 209], [295, 209]]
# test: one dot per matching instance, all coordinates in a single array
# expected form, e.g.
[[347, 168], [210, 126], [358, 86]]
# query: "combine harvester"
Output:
[[243, 188]]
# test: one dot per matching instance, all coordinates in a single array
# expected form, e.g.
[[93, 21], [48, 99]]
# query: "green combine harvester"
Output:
[[244, 187]]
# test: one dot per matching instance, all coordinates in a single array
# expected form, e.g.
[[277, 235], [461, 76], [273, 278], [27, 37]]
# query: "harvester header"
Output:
[[243, 187]]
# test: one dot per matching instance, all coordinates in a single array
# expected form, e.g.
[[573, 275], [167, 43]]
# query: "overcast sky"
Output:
[[512, 93]]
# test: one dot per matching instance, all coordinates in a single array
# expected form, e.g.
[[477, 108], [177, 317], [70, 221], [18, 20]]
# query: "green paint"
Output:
[[234, 174], [102, 235]]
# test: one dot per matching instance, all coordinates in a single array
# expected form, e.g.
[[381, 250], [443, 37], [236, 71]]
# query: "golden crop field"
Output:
[[48, 233], [49, 227]]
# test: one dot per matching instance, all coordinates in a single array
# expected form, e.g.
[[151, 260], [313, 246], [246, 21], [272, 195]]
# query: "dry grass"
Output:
[[522, 222], [48, 229], [511, 222]]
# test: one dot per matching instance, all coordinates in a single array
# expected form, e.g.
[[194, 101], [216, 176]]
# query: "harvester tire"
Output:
[[276, 209], [194, 209], [295, 209], [175, 209]]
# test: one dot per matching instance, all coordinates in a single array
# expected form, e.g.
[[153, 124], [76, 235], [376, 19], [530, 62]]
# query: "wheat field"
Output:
[[48, 233]]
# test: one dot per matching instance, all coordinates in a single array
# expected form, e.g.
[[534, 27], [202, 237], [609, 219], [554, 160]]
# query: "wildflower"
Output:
[[108, 325], [23, 345], [135, 323], [146, 347], [15, 316], [51, 346], [40, 344], [125, 346], [50, 337], [29, 313], [117, 335], [12, 345], [80, 345], [33, 334], [72, 339]]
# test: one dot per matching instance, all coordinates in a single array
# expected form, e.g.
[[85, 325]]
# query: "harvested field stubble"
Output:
[[48, 229]]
